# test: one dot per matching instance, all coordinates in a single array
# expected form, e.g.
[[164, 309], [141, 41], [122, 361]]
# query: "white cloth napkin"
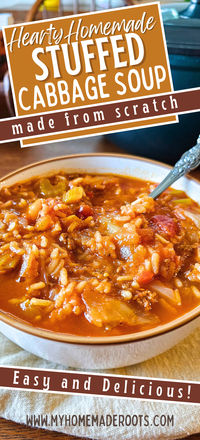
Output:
[[181, 362]]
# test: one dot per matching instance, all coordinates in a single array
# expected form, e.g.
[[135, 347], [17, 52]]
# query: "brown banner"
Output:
[[88, 59], [68, 382], [183, 101]]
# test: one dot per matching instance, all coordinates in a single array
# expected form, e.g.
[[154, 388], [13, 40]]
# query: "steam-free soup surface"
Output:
[[95, 255]]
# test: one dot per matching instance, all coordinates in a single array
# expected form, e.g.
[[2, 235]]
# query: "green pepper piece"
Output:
[[182, 201], [175, 192], [49, 190]]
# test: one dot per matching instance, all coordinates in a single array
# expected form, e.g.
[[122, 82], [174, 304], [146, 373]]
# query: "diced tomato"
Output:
[[145, 277], [165, 224], [147, 235], [84, 211]]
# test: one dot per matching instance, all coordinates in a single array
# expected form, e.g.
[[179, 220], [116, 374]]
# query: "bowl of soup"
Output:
[[93, 272]]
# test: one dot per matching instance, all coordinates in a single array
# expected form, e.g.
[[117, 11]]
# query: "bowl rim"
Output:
[[21, 325]]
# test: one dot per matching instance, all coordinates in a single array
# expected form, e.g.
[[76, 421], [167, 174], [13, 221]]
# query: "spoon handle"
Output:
[[188, 161]]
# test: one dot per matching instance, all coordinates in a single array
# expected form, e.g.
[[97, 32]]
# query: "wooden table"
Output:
[[12, 157]]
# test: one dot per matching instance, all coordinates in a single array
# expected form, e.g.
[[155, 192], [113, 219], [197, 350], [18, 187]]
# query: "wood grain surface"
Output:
[[11, 158]]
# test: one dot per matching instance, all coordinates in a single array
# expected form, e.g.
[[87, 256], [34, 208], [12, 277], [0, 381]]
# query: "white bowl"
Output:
[[111, 351]]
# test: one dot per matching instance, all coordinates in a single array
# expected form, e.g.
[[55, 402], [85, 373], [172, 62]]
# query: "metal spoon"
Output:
[[188, 161]]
